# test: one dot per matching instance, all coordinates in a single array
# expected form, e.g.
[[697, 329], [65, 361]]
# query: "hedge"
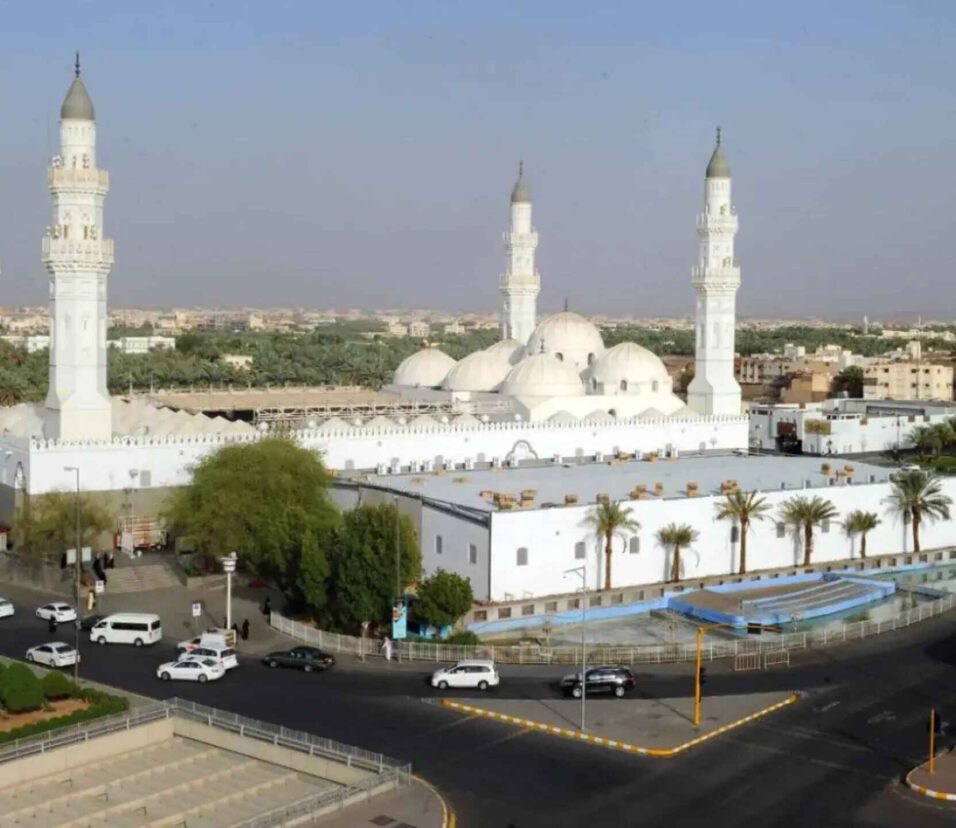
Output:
[[102, 704], [57, 686], [20, 689]]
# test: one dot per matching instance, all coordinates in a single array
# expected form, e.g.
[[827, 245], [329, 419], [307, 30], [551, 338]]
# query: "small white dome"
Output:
[[629, 368], [426, 368], [511, 348], [569, 337], [542, 375], [480, 371]]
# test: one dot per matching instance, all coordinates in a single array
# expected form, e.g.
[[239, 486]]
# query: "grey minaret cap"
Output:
[[718, 166], [77, 103], [520, 193]]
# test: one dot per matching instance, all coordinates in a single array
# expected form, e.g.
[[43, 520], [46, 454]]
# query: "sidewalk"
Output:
[[938, 785], [655, 727], [418, 806]]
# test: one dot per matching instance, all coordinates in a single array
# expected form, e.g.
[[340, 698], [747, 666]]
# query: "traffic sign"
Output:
[[197, 609], [100, 586]]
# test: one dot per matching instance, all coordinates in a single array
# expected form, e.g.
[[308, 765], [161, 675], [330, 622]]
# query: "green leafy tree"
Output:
[[806, 513], [443, 598], [918, 496], [363, 564], [46, 525], [850, 381], [314, 571], [743, 507], [20, 689], [676, 536], [266, 500], [860, 523], [608, 520]]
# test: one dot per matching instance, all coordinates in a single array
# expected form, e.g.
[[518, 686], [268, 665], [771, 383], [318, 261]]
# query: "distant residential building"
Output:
[[143, 344], [242, 362], [809, 386], [419, 330], [31, 342], [887, 380], [454, 328], [396, 329]]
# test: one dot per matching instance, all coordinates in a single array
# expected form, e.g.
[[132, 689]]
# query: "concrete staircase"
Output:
[[140, 577], [173, 783]]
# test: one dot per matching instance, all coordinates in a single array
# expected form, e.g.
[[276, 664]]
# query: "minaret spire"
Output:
[[716, 279], [520, 283], [76, 66]]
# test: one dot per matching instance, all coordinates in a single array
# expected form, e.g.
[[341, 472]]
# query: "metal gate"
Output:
[[746, 661], [777, 658]]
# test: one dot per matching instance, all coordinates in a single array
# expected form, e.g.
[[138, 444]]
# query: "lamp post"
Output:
[[229, 566], [76, 575], [583, 572]]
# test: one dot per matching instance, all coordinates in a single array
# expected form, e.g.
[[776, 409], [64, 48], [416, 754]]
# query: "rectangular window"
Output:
[[825, 526], [579, 550], [438, 544], [551, 606], [522, 556], [634, 545], [472, 553], [527, 609], [145, 478], [504, 612], [781, 530]]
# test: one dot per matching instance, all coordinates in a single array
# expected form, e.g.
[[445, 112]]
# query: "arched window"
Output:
[[593, 384], [522, 556], [655, 385], [579, 550], [734, 534], [634, 545], [590, 359], [624, 385]]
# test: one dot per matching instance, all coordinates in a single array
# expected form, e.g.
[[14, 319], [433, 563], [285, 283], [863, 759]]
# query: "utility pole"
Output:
[[583, 572], [76, 575]]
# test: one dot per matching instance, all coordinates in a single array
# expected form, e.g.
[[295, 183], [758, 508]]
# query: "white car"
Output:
[[477, 674], [203, 670], [61, 612], [217, 652], [54, 654], [6, 608]]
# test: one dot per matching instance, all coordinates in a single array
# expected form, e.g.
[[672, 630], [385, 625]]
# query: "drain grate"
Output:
[[381, 819]]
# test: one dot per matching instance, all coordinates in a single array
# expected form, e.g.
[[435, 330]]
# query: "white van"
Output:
[[128, 628]]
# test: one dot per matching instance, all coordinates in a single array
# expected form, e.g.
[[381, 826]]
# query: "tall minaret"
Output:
[[520, 283], [78, 259], [716, 279]]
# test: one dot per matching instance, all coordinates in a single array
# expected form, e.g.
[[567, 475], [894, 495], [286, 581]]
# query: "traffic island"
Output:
[[647, 727], [941, 784]]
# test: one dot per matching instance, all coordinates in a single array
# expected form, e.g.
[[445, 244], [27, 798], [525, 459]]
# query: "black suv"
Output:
[[616, 680]]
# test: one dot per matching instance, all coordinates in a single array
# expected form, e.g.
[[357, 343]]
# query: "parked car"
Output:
[[54, 654], [61, 612], [477, 674], [204, 640], [194, 669], [616, 680], [301, 658], [87, 622], [218, 652], [6, 607]]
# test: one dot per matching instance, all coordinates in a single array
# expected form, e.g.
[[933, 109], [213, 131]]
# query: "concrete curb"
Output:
[[614, 744], [927, 791], [448, 818]]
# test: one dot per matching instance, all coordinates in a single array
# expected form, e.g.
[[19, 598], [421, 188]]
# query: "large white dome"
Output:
[[480, 371], [569, 337], [628, 368], [426, 368], [510, 348], [542, 375]]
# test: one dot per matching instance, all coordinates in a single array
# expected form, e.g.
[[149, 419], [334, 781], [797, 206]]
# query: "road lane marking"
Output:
[[809, 759]]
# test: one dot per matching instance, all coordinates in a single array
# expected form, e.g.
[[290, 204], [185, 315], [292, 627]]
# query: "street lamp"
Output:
[[583, 572], [229, 566], [76, 571]]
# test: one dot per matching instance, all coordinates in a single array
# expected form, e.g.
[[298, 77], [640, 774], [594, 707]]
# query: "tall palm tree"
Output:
[[608, 520], [743, 507], [806, 513], [859, 523], [677, 536], [918, 495]]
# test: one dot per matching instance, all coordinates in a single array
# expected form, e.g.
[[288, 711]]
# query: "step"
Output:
[[141, 578]]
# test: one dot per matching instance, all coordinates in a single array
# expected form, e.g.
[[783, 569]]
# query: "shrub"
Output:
[[20, 689], [466, 637], [102, 704], [58, 686]]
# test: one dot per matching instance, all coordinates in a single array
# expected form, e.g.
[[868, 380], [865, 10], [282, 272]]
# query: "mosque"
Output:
[[549, 390]]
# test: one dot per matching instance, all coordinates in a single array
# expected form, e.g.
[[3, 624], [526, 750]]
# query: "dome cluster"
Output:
[[565, 357]]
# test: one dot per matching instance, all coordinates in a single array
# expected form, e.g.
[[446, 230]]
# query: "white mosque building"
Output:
[[548, 390]]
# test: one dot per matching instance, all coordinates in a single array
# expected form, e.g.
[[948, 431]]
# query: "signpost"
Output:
[[399, 620], [197, 614]]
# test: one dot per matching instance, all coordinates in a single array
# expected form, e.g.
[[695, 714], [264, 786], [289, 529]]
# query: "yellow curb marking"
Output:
[[927, 791], [448, 818], [643, 751]]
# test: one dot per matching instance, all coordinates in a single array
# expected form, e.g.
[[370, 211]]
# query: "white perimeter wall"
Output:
[[550, 536]]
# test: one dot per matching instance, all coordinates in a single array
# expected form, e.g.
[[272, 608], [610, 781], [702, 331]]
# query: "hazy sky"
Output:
[[362, 154]]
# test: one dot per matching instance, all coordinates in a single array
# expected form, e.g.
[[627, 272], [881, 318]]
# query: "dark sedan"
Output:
[[616, 680], [90, 621], [301, 658]]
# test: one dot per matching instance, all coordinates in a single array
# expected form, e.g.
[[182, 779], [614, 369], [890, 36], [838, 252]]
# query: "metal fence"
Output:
[[637, 654]]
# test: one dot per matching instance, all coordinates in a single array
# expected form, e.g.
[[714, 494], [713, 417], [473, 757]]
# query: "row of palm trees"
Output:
[[916, 497]]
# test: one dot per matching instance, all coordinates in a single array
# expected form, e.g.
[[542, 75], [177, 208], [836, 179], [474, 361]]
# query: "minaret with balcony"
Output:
[[520, 283], [716, 278], [78, 259]]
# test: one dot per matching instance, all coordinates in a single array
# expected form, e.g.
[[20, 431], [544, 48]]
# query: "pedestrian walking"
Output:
[[387, 648], [51, 625], [267, 607], [245, 630]]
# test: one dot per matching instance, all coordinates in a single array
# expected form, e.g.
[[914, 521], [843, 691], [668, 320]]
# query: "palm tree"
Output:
[[743, 507], [676, 536], [608, 520], [805, 513], [859, 523], [917, 495]]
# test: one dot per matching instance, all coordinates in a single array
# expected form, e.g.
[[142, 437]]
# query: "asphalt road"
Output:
[[835, 758]]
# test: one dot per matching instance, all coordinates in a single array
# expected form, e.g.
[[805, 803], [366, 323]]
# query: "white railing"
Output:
[[636, 654]]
